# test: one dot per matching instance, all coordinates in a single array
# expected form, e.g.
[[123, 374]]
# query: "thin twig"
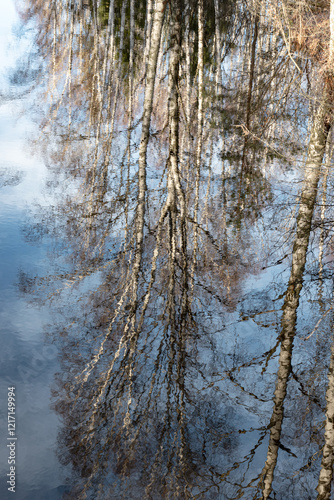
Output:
[[320, 320]]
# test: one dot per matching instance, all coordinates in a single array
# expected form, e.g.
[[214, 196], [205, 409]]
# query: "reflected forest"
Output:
[[189, 153]]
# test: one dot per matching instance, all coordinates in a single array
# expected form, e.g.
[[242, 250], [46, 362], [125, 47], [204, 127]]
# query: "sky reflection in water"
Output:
[[168, 302]]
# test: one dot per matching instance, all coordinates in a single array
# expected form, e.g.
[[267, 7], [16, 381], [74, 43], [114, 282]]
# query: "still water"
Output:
[[28, 361], [166, 278]]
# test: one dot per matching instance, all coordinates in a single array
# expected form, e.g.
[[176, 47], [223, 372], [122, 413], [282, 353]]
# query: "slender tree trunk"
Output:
[[327, 462], [331, 43], [218, 49], [326, 472], [173, 104], [315, 156], [158, 17], [130, 112], [200, 14], [329, 151], [188, 90], [148, 27], [244, 166]]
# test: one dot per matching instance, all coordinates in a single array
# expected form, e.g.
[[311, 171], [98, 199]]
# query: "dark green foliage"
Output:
[[225, 20], [140, 7], [139, 16]]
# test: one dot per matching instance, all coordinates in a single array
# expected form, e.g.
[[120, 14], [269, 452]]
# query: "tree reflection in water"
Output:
[[169, 168]]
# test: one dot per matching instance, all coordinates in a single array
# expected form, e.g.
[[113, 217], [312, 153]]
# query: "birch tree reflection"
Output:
[[171, 130], [321, 125]]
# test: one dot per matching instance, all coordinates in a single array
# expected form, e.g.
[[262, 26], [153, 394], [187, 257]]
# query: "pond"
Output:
[[166, 246]]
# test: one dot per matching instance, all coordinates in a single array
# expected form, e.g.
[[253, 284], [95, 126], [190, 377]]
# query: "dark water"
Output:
[[150, 361]]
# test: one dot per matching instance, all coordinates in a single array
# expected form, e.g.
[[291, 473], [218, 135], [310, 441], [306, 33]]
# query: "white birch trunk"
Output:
[[158, 17], [326, 472], [316, 150], [199, 131], [331, 42], [218, 50]]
